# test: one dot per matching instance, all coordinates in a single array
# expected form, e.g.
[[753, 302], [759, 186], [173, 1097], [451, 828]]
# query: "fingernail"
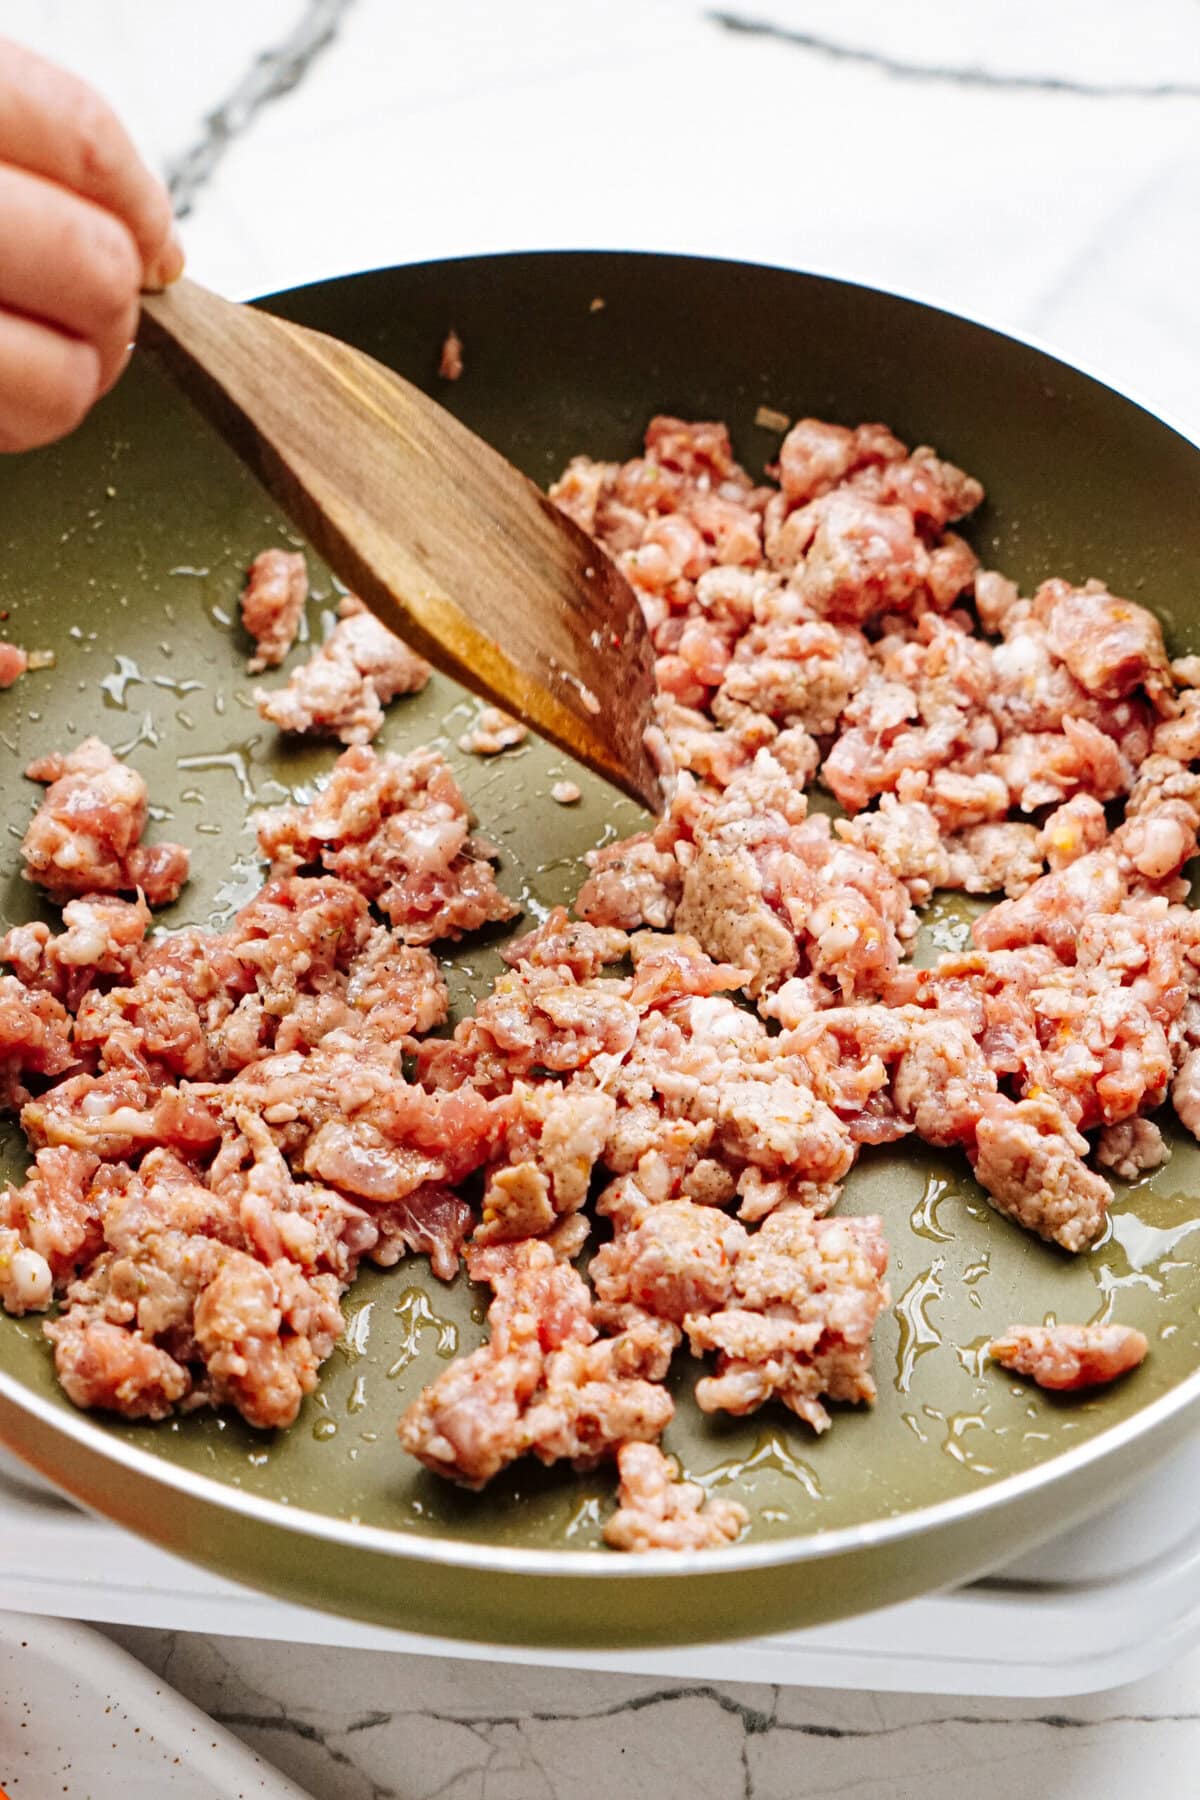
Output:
[[168, 265]]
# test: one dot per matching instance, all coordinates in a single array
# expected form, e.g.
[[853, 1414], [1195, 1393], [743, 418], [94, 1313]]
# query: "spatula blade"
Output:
[[453, 548]]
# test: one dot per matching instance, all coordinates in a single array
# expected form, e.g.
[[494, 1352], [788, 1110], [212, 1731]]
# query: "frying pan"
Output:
[[123, 550]]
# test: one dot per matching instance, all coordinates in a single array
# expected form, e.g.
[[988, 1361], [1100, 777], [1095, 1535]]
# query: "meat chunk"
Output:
[[35, 1039], [221, 1292], [56, 1216], [273, 604], [678, 1259], [14, 661], [857, 558], [342, 689], [581, 951], [494, 730], [545, 1383], [1065, 1357], [397, 829], [1132, 1147], [723, 908], [816, 456], [26, 1280], [263, 1333], [632, 883], [396, 987], [450, 360], [102, 1365], [103, 937], [658, 1511], [806, 1295], [796, 673], [1029, 1160], [551, 1144], [85, 837], [1111, 646]]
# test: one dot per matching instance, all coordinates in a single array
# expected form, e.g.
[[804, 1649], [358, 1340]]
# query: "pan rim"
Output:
[[403, 1546], [913, 296]]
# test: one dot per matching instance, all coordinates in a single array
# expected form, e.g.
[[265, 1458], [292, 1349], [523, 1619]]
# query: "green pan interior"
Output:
[[123, 552]]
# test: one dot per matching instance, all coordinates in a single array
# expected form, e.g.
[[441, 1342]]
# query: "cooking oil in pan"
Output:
[[918, 1334], [770, 1455], [416, 1315], [924, 1219]]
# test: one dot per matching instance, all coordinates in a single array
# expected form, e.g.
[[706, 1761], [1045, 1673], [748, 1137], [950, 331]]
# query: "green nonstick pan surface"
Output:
[[123, 551]]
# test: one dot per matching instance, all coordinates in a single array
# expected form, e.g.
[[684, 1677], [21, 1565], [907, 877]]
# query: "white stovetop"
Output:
[[1037, 164]]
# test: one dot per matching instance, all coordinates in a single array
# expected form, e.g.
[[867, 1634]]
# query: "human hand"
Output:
[[84, 228]]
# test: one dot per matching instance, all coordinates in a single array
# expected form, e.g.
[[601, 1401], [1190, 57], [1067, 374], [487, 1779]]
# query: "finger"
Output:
[[47, 382], [66, 261], [54, 125]]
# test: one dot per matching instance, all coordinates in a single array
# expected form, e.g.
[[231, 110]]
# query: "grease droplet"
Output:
[[917, 1334], [770, 1452], [924, 1219], [416, 1315]]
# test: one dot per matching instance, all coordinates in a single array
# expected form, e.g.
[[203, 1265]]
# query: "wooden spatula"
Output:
[[446, 542]]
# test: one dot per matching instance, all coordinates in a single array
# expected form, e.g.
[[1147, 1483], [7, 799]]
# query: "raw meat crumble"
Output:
[[226, 1123]]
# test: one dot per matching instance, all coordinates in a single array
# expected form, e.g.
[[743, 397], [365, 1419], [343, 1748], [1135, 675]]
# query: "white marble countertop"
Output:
[[1036, 165]]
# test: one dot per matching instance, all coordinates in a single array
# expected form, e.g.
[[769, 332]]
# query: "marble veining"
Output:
[[969, 75], [271, 74], [356, 1725]]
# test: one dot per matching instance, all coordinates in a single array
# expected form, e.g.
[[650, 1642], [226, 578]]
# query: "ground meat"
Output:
[[1111, 646], [342, 689], [942, 1081], [907, 839], [221, 1292], [85, 837], [263, 1333], [398, 830], [1072, 830], [806, 1294], [853, 557], [1132, 1147], [801, 673], [226, 1123], [101, 1364], [103, 936], [545, 1383], [1069, 1356], [56, 1213], [273, 604], [656, 1510], [26, 1280], [450, 361], [551, 1143], [396, 987], [632, 883], [35, 1039], [1029, 1159], [493, 731], [13, 663], [581, 950], [676, 1259], [993, 859], [722, 906]]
